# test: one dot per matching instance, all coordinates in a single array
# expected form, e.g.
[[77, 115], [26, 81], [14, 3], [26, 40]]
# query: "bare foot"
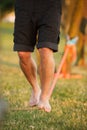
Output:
[[44, 105], [34, 100]]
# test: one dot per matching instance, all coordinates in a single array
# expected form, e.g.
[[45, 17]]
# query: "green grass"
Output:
[[69, 99]]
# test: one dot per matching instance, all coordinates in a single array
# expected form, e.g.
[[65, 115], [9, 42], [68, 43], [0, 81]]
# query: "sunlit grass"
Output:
[[69, 99]]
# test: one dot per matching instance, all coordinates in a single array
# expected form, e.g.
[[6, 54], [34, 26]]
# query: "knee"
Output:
[[23, 56], [45, 52]]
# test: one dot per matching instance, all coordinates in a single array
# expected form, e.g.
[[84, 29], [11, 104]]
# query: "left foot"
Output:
[[34, 100]]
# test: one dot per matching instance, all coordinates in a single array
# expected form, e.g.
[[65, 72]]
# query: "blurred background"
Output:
[[13, 85]]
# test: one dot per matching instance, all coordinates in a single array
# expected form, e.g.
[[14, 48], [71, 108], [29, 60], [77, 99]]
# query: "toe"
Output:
[[44, 106]]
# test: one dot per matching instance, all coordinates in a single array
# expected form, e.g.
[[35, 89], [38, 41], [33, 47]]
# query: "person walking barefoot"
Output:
[[40, 17]]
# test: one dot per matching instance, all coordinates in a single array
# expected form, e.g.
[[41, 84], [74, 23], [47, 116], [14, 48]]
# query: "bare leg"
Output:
[[28, 66], [47, 66]]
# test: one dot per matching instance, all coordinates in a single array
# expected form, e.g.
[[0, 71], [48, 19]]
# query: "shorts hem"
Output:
[[22, 48], [51, 45]]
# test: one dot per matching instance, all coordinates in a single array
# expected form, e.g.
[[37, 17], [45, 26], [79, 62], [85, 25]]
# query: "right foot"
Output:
[[44, 105], [34, 100]]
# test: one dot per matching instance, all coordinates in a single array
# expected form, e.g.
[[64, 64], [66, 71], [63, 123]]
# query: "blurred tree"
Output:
[[82, 37], [71, 21], [6, 5], [72, 14]]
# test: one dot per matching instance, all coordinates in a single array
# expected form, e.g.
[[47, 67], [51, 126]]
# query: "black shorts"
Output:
[[34, 17]]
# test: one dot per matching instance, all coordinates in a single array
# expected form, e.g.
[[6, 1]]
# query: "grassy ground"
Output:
[[69, 100]]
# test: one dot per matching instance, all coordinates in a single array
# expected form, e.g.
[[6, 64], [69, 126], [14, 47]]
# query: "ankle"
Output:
[[36, 89], [44, 98]]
